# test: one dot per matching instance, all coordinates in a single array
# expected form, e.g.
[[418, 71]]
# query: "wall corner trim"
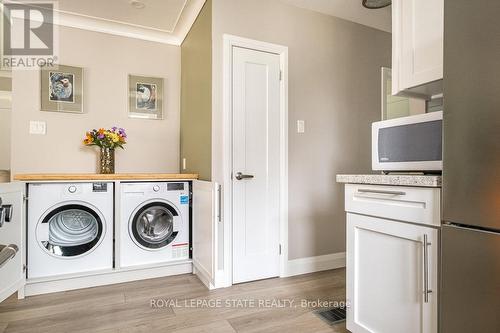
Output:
[[314, 264]]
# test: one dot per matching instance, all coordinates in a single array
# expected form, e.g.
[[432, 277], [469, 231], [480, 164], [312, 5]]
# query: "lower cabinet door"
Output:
[[391, 276], [204, 231], [12, 220]]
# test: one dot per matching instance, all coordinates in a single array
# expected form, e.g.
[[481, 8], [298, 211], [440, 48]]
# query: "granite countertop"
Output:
[[91, 176], [393, 180]]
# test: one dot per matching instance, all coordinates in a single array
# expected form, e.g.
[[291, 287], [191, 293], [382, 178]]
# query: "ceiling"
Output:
[[166, 21], [156, 14], [169, 21], [351, 10]]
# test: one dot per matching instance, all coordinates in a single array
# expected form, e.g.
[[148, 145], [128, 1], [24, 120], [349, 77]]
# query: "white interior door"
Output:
[[256, 164], [11, 238]]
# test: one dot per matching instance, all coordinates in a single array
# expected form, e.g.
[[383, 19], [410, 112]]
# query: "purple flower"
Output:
[[101, 136]]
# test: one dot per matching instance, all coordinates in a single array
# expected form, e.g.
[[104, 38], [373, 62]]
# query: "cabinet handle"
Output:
[[364, 190], [7, 252], [427, 291], [219, 203]]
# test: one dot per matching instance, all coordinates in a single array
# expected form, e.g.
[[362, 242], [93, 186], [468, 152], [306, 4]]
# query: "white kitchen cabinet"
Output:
[[409, 204], [207, 230], [386, 270], [417, 47], [11, 239], [392, 258]]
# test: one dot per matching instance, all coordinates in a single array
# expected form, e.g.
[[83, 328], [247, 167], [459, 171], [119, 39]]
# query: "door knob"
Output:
[[240, 176]]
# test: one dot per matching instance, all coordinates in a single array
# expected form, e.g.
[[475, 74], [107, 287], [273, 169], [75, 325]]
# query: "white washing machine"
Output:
[[70, 228], [154, 227]]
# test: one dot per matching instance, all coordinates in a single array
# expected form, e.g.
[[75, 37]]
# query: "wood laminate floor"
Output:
[[183, 304]]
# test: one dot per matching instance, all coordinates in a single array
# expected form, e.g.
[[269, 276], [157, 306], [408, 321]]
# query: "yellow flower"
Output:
[[88, 141], [112, 136]]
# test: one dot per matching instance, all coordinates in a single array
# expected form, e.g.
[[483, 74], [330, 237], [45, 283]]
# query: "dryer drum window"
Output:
[[153, 225], [73, 230]]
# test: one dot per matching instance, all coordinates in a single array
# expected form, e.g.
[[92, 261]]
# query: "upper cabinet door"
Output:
[[11, 238], [417, 46]]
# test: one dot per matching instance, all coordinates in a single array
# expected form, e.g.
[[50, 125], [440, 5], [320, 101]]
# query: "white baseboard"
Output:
[[203, 277], [9, 291], [217, 282], [45, 286], [314, 264]]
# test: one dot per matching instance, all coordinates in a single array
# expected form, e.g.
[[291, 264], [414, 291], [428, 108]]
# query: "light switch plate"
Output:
[[184, 163], [38, 127], [301, 126]]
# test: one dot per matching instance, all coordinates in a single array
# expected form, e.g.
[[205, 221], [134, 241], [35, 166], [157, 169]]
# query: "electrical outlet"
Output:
[[38, 127], [301, 126]]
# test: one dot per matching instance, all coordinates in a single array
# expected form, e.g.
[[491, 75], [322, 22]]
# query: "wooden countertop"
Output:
[[93, 176]]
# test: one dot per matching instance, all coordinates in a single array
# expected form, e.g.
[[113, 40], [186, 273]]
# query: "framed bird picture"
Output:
[[61, 89], [145, 98]]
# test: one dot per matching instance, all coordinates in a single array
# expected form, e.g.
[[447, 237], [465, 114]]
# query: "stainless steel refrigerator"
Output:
[[470, 238]]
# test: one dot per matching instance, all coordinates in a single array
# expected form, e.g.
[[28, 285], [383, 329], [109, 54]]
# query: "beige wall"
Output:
[[5, 115], [107, 60], [334, 85], [5, 112], [196, 96]]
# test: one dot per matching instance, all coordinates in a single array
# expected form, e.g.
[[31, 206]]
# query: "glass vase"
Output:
[[107, 160]]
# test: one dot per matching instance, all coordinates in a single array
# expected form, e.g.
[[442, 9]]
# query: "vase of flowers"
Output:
[[107, 141]]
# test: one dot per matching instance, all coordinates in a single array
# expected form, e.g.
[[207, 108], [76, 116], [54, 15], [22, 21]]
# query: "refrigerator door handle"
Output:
[[427, 291]]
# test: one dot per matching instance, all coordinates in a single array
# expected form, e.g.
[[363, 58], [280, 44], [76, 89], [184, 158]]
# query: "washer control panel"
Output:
[[99, 187], [175, 186]]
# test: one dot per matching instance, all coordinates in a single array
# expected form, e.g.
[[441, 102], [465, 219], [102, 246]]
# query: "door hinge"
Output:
[[281, 75], [280, 249], [25, 198], [24, 268]]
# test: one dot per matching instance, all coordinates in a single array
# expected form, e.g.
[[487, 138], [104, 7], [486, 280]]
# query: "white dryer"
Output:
[[70, 228], [154, 226]]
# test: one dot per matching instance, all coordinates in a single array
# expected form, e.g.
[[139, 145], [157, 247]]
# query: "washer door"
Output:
[[70, 230], [152, 226]]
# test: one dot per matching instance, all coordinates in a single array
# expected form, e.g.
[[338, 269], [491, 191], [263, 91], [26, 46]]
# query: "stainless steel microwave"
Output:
[[411, 143]]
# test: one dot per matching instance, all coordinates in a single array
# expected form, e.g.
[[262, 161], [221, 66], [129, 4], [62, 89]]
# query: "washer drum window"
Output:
[[73, 230], [152, 226]]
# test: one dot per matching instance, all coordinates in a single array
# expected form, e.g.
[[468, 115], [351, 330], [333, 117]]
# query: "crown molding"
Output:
[[116, 28], [183, 24], [188, 17]]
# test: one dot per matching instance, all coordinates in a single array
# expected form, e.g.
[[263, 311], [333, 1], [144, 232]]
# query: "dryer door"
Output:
[[153, 226], [70, 230]]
